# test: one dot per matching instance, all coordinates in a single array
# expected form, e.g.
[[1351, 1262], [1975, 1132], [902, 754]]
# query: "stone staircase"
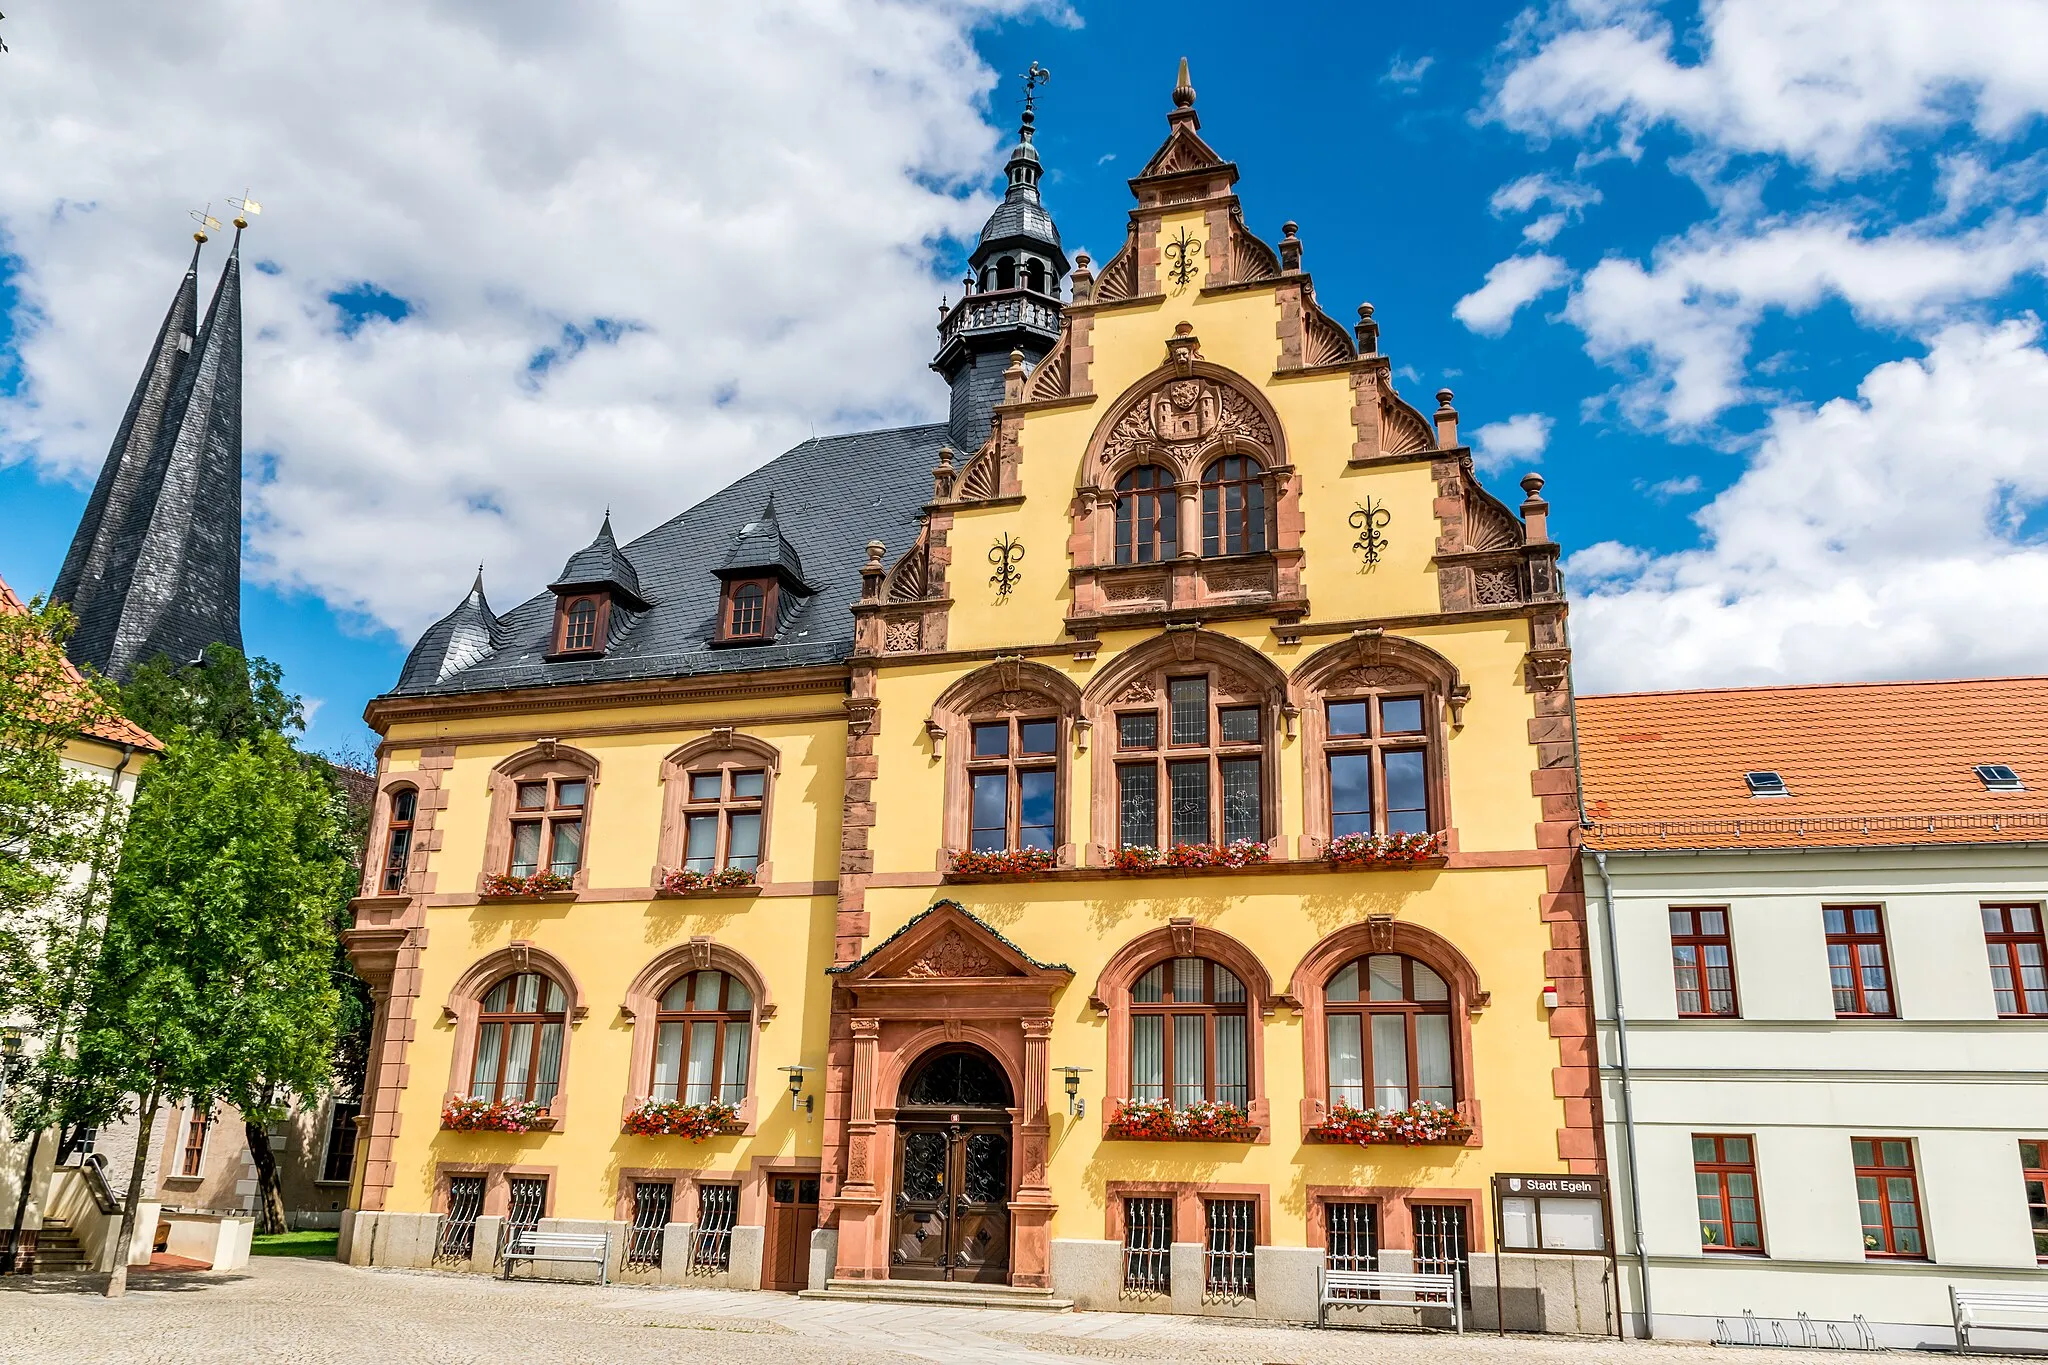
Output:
[[58, 1251], [940, 1293]]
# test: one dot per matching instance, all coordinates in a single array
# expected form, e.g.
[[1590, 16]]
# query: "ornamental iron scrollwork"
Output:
[[1368, 520], [1180, 258], [1006, 554]]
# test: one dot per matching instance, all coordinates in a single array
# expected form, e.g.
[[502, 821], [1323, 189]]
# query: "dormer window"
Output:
[[763, 583], [597, 594], [579, 626], [749, 615]]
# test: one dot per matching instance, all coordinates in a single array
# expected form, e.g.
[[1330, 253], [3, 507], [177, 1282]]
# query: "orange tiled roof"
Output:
[[116, 729], [1865, 763]]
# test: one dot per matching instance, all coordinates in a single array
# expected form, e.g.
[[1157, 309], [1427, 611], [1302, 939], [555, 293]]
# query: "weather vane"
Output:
[[245, 209], [1034, 78], [207, 222]]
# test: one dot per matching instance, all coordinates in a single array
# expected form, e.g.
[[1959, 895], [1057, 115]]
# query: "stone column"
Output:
[[1031, 1212], [860, 1203]]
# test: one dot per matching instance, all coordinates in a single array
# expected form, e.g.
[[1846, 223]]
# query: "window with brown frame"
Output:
[[1233, 506], [702, 1032], [1387, 1025], [1147, 516], [1888, 1194], [1703, 962], [2019, 958], [1210, 770], [1377, 752], [579, 626], [338, 1163], [192, 1152], [547, 823], [1013, 783], [1858, 968], [1724, 1179], [2034, 1174], [747, 612], [722, 818], [1189, 1026], [519, 1040], [398, 837]]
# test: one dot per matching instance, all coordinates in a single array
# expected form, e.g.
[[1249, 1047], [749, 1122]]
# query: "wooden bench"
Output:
[[1965, 1304], [1349, 1287], [531, 1244]]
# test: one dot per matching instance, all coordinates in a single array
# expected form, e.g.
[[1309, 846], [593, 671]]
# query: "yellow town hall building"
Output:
[[1112, 847]]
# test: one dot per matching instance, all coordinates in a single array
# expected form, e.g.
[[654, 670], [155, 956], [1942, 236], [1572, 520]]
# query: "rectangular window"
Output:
[[1137, 730], [1148, 1245], [1188, 700], [1401, 715], [651, 1203], [1888, 1193], [1724, 1177], [1351, 1236], [1241, 805], [992, 740], [2019, 958], [1703, 962], [1038, 736], [1350, 793], [707, 786], [718, 1208], [525, 849], [455, 1237], [1035, 808], [1238, 724], [1137, 805], [528, 1203], [1857, 966], [192, 1152], [339, 1164], [990, 802], [743, 840], [1407, 792], [1349, 719], [1189, 785], [1233, 1235], [2034, 1163], [700, 841], [1148, 1057], [1442, 1246]]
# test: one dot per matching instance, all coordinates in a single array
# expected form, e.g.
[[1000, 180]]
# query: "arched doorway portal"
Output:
[[953, 1170]]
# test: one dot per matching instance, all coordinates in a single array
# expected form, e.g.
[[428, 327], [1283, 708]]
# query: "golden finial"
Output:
[[245, 209], [204, 217], [1184, 88]]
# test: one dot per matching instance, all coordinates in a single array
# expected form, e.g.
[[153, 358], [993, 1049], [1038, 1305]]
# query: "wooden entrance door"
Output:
[[792, 1216], [952, 1201]]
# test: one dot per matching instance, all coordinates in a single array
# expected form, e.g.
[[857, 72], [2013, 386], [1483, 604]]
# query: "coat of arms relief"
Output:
[[1182, 418]]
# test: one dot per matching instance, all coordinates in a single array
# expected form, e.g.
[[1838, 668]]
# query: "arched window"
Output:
[[579, 625], [722, 820], [1006, 273], [1013, 783], [1034, 276], [1387, 1019], [1189, 1029], [1192, 772], [1377, 754], [519, 1040], [1147, 516], [1003, 732], [749, 611], [703, 1027], [547, 826], [398, 838], [1233, 506]]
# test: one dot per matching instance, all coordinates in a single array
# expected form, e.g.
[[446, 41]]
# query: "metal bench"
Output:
[[1349, 1287], [1965, 1304], [531, 1244]]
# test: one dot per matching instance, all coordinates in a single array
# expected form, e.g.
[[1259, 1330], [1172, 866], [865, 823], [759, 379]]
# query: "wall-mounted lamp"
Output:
[[797, 1098], [1075, 1104]]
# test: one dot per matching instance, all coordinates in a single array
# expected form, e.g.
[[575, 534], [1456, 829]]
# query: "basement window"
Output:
[[1997, 777], [1766, 783]]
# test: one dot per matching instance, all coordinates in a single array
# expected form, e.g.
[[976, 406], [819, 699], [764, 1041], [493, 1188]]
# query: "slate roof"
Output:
[[833, 495], [1865, 764], [601, 564], [761, 545]]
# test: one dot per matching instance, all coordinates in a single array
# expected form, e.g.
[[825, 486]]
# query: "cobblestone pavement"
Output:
[[295, 1312]]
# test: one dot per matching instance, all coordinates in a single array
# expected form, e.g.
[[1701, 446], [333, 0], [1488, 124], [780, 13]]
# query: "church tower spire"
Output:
[[1011, 297], [156, 564]]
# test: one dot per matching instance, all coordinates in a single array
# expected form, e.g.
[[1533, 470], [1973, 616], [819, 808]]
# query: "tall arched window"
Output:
[[519, 1040], [1034, 276], [1192, 775], [702, 1033], [1147, 516], [749, 611], [579, 625], [398, 838], [1388, 1022], [1006, 273], [1233, 506], [1189, 1024]]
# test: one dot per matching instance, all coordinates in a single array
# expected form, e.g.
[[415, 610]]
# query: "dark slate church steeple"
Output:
[[1011, 299], [156, 565]]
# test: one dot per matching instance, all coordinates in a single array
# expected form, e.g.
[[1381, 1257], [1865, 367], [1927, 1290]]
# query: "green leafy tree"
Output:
[[224, 693], [215, 982]]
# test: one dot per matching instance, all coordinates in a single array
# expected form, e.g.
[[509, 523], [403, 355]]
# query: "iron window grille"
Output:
[[1148, 1245], [528, 1203], [1227, 1259], [455, 1237], [1442, 1244], [651, 1204], [718, 1209], [1351, 1241]]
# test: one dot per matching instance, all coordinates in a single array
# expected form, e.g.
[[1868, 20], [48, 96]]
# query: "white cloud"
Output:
[[1511, 284], [1520, 439], [1684, 322], [1879, 536], [1568, 200], [1829, 83], [1666, 489], [758, 193], [1407, 74]]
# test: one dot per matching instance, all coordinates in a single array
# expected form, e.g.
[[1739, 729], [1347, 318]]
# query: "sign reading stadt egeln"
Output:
[[1571, 1186]]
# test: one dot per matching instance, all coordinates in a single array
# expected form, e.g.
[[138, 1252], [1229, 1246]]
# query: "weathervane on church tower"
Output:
[[1032, 79]]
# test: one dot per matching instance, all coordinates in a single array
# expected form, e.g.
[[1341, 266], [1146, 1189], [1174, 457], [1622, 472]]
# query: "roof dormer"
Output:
[[762, 583], [596, 597]]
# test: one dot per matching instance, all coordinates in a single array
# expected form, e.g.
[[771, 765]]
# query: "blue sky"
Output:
[[1754, 286]]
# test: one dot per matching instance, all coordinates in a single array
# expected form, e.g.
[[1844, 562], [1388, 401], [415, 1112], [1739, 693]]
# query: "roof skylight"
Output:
[[1997, 777], [1766, 783]]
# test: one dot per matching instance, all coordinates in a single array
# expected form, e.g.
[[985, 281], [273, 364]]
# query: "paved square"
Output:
[[295, 1312]]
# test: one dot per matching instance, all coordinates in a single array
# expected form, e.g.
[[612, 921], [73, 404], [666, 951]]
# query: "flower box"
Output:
[[684, 881], [1006, 862], [1242, 853], [1163, 1121], [475, 1115], [1383, 850], [508, 887], [1424, 1123], [673, 1118]]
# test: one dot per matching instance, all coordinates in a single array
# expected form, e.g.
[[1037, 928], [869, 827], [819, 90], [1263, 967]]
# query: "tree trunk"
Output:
[[118, 1285], [28, 1184], [268, 1182]]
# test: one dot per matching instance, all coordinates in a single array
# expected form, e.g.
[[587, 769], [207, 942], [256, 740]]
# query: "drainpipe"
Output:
[[1628, 1107]]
